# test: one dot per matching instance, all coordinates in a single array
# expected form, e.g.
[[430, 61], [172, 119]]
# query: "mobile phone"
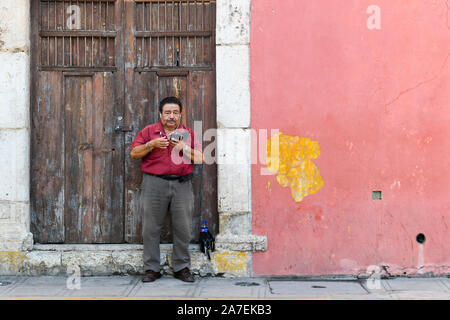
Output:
[[177, 136]]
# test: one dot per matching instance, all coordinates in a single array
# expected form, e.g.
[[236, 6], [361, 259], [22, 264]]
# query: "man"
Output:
[[167, 167]]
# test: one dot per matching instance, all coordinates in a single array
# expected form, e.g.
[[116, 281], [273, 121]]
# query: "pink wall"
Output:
[[378, 104]]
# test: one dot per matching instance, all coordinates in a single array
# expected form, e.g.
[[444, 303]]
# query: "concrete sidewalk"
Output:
[[131, 287]]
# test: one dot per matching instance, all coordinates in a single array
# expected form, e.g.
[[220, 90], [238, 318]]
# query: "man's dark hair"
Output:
[[170, 100]]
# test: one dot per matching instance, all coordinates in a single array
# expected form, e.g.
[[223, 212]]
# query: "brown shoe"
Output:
[[184, 275], [151, 276]]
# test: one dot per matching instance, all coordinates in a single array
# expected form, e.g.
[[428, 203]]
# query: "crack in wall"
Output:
[[403, 92], [448, 9], [269, 287]]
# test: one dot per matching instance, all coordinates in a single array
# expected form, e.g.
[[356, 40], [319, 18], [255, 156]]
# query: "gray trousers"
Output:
[[158, 196]]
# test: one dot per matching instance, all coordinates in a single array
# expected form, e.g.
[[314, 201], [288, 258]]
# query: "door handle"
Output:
[[120, 129]]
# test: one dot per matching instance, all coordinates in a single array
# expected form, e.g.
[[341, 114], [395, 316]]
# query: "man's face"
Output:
[[171, 115]]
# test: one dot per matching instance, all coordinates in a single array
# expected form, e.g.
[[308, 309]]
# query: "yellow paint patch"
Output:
[[14, 259], [230, 262], [294, 165]]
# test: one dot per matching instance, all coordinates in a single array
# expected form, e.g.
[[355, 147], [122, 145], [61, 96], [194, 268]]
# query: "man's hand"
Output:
[[161, 143], [142, 150], [194, 155], [177, 145]]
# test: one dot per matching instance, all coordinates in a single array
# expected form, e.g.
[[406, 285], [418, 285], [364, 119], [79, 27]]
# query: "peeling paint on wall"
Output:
[[11, 261], [296, 170], [230, 262]]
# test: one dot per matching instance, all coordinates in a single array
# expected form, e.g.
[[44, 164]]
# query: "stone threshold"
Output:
[[228, 242], [231, 258]]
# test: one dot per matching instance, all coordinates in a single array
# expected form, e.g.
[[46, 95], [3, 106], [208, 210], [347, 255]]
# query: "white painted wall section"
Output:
[[15, 125]]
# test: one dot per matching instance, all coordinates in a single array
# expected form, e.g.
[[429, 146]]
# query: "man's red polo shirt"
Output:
[[165, 161]]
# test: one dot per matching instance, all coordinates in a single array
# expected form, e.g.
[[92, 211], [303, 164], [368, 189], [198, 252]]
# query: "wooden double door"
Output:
[[99, 70]]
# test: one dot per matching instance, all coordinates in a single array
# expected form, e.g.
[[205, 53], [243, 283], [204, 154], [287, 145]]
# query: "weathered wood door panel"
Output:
[[171, 52], [47, 165], [77, 186], [93, 161], [96, 65]]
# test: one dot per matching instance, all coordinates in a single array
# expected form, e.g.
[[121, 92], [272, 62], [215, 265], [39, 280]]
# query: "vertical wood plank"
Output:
[[73, 160], [209, 172], [137, 112], [47, 167], [108, 164]]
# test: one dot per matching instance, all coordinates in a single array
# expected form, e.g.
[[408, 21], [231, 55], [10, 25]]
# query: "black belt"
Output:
[[172, 177]]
